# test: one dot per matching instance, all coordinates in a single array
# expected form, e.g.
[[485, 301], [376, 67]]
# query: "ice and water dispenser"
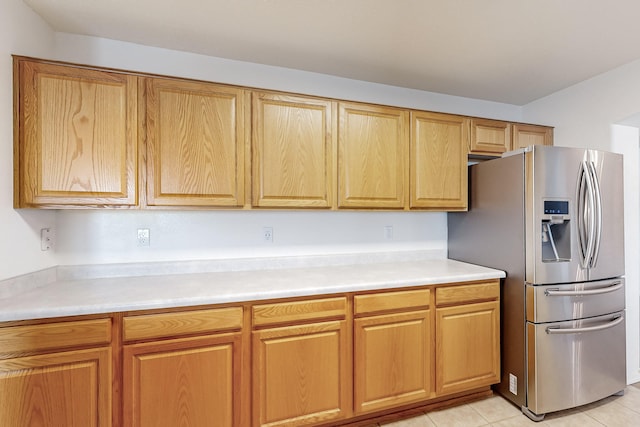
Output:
[[556, 231]]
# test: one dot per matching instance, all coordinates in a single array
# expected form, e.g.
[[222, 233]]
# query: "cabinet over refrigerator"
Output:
[[552, 219]]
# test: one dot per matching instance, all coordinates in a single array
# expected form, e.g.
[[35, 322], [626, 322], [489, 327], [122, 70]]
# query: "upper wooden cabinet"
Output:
[[494, 137], [372, 156], [75, 136], [195, 143], [489, 137], [526, 135], [438, 161], [293, 151], [89, 137]]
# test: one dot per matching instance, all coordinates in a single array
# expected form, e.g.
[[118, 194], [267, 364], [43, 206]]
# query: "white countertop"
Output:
[[115, 294]]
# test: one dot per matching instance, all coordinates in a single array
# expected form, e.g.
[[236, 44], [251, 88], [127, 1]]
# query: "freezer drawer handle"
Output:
[[616, 321], [555, 292]]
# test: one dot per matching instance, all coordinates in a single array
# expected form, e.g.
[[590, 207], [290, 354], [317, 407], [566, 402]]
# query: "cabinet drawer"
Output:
[[387, 301], [289, 312], [182, 323], [49, 336], [461, 294]]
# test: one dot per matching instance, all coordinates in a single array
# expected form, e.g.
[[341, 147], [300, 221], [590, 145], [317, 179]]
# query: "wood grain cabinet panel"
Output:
[[191, 382], [66, 389], [195, 143], [390, 301], [372, 156], [52, 336], [392, 360], [439, 146], [526, 135], [468, 293], [299, 311], [293, 151], [302, 374], [75, 136], [181, 323], [467, 346], [489, 137]]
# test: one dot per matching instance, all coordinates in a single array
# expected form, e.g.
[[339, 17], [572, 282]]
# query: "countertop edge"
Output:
[[69, 298]]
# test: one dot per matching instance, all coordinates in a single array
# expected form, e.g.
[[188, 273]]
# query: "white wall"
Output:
[[21, 32], [93, 237], [586, 115], [129, 56], [626, 140]]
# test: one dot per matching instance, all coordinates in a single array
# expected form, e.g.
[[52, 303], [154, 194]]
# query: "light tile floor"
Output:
[[614, 411]]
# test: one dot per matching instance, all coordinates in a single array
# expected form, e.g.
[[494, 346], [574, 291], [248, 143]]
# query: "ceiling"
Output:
[[511, 51]]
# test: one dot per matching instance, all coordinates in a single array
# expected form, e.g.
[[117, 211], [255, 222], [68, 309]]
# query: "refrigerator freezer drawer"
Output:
[[555, 303], [574, 363]]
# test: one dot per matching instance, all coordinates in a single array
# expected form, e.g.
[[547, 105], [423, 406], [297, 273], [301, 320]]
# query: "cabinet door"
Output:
[[372, 156], [67, 389], [467, 346], [292, 151], [526, 135], [392, 360], [439, 161], [76, 136], [195, 143], [185, 382], [490, 137], [301, 374]]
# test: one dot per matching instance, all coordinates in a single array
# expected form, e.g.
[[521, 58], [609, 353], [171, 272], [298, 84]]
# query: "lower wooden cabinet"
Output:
[[186, 372], [68, 389], [467, 337], [45, 381], [183, 382], [301, 374], [291, 362], [392, 360]]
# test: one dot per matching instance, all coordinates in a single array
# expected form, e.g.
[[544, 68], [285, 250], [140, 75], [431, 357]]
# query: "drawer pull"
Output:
[[555, 330], [555, 292]]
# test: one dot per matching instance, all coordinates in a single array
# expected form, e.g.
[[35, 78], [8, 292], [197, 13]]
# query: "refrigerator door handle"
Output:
[[597, 214], [586, 217], [614, 322], [581, 212], [555, 292]]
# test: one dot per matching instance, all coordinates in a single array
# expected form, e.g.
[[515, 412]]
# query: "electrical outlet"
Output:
[[144, 237], [513, 384], [388, 232], [267, 234], [46, 239]]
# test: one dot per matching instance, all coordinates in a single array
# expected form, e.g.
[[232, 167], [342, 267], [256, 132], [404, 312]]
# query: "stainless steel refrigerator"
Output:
[[552, 219]]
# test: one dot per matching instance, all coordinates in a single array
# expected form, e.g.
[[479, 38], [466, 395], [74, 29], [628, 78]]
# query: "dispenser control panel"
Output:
[[556, 207]]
